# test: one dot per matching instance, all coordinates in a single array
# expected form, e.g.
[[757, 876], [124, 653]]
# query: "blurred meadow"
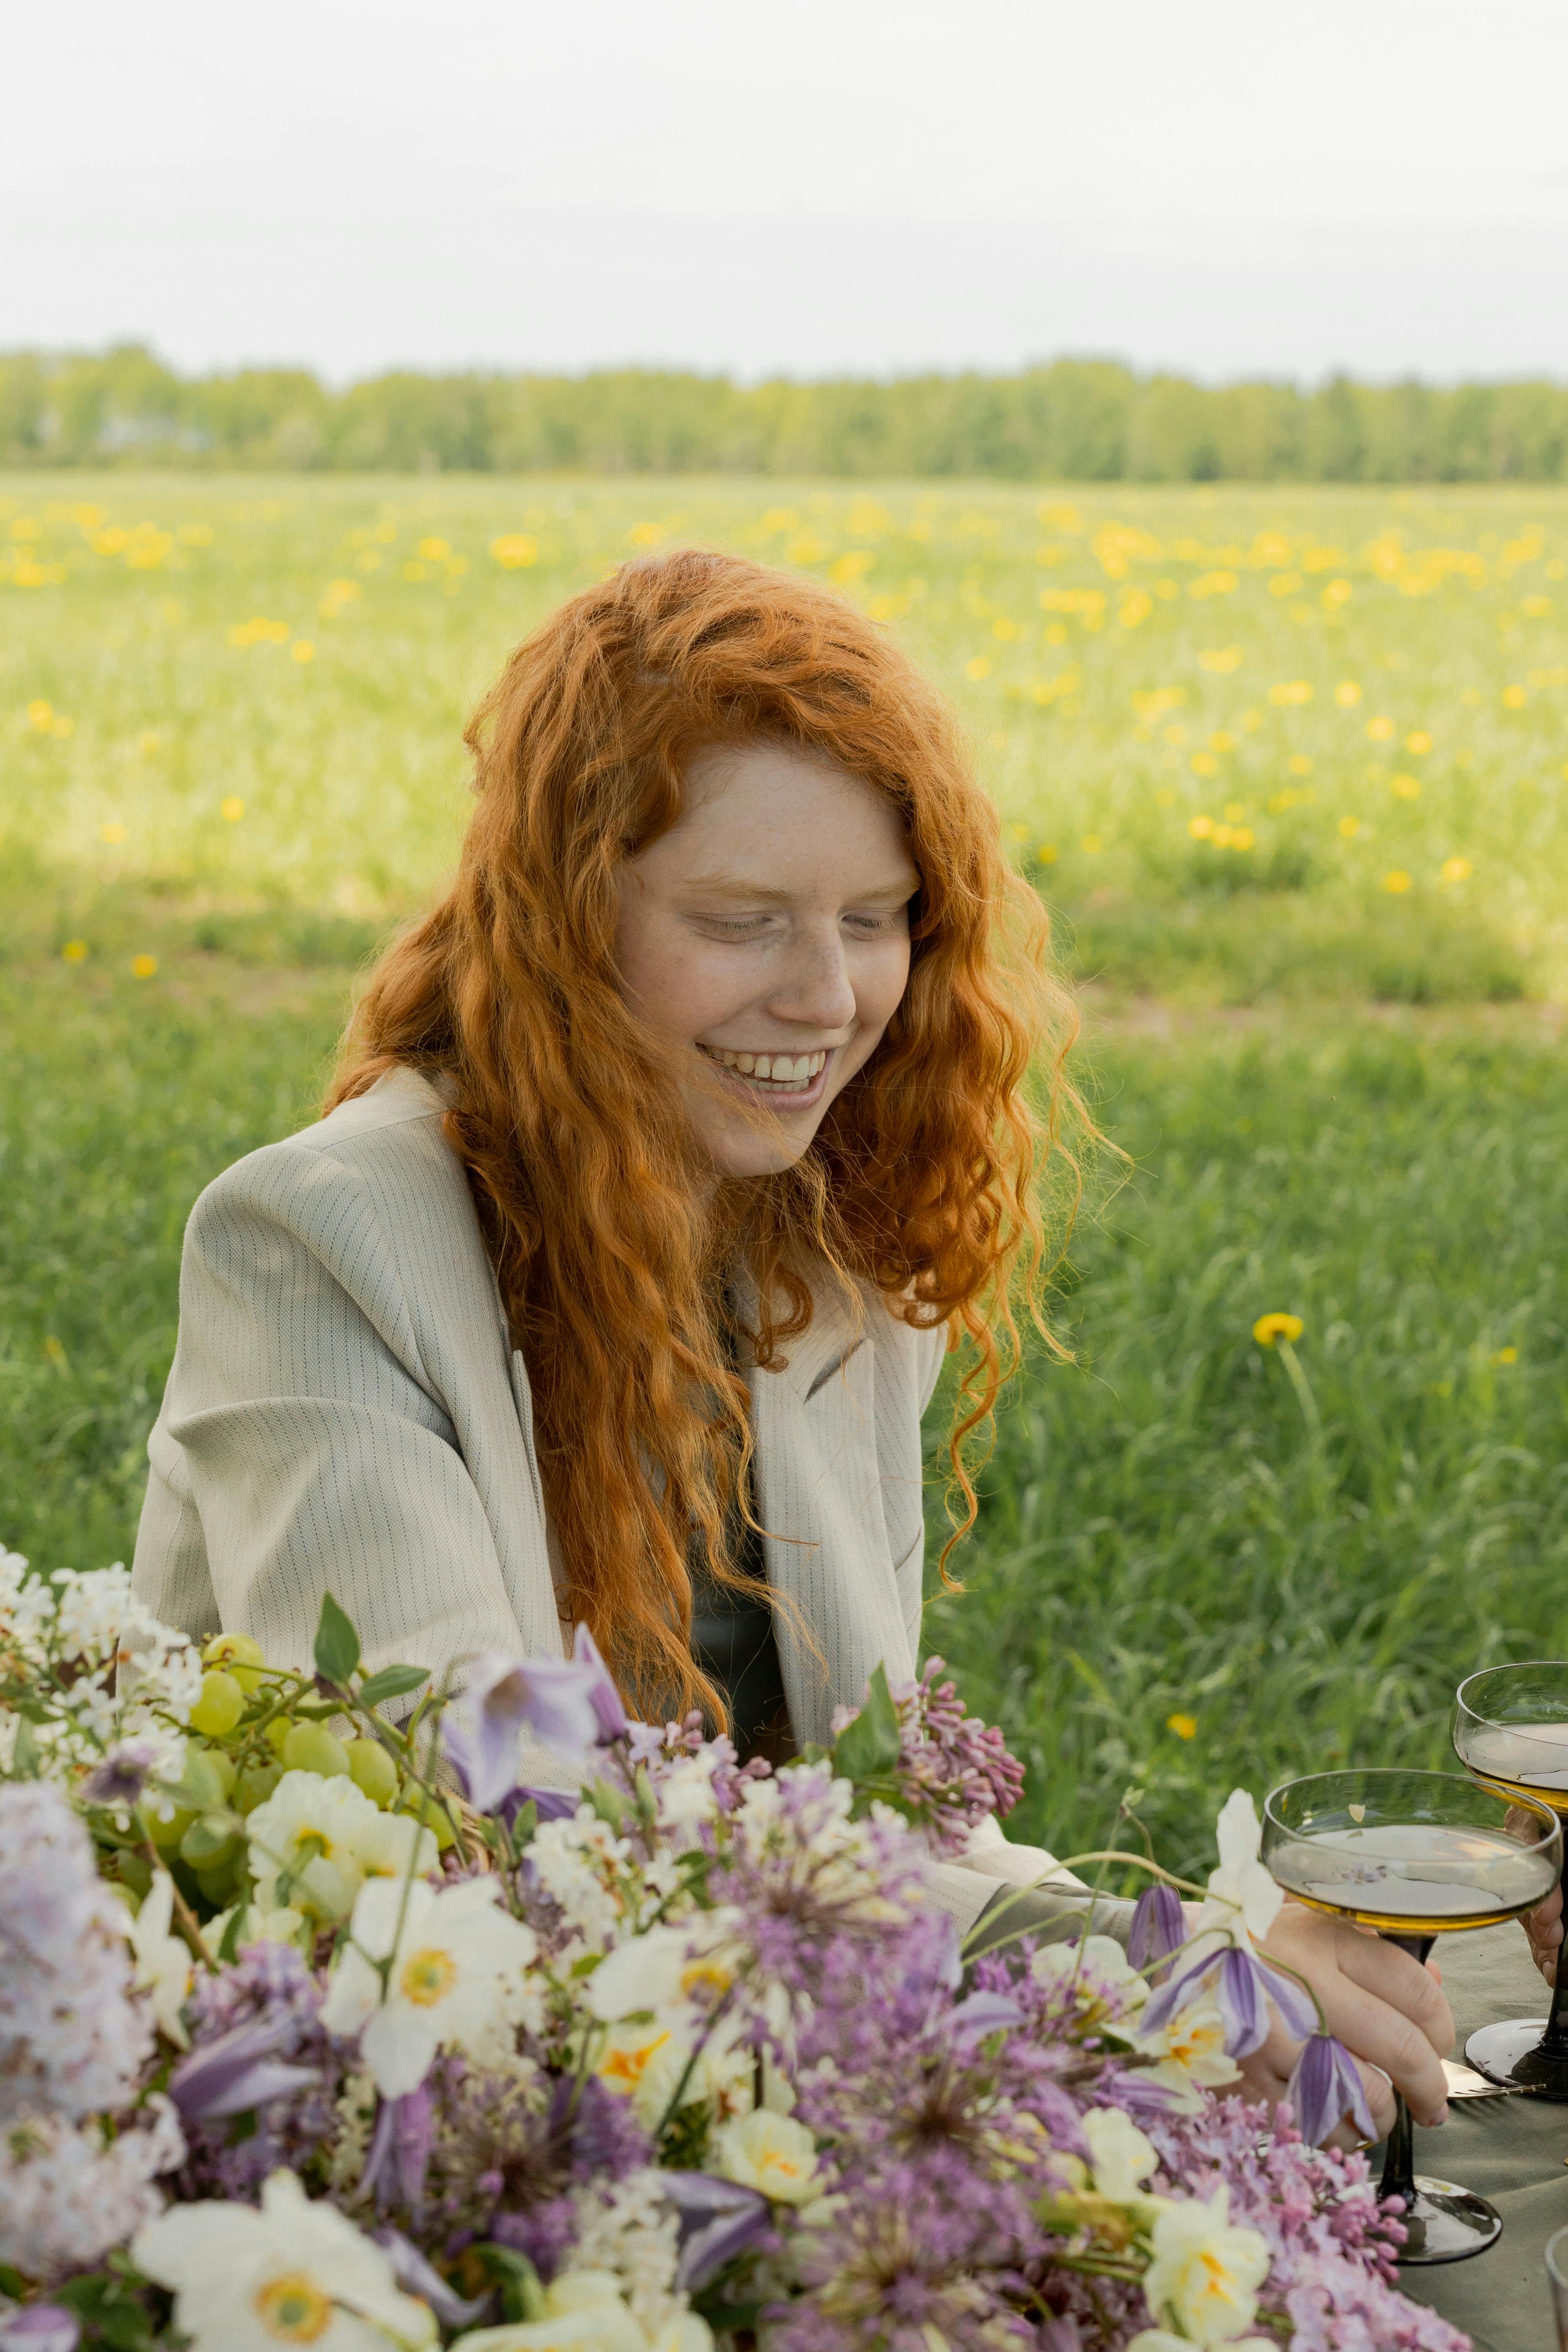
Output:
[[1290, 767]]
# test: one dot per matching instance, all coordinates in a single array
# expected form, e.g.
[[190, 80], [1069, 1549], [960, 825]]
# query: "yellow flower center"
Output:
[[624, 2069], [294, 2308], [427, 1977]]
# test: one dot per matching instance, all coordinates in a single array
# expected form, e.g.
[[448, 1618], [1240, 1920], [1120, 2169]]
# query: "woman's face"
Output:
[[767, 937]]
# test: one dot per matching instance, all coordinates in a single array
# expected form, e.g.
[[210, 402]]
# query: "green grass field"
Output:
[[1290, 766]]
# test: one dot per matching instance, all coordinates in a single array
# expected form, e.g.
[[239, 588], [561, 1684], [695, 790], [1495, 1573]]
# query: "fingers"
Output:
[[1378, 2034], [1545, 1943], [1395, 1979]]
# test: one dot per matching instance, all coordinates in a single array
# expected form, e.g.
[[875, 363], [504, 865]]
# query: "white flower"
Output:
[[630, 2229], [256, 1927], [1120, 2157], [1204, 2271], [646, 1972], [1189, 2050], [1160, 2339], [294, 2272], [315, 1842], [1242, 1896], [581, 1865], [1093, 1967], [583, 2312], [456, 1976], [162, 1960], [684, 1791], [67, 2197], [773, 2154]]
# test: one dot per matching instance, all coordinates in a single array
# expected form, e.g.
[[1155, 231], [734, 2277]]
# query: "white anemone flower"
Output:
[[455, 1966], [1096, 1966], [315, 1842], [1205, 2271], [294, 2272], [1242, 1896], [162, 1960]]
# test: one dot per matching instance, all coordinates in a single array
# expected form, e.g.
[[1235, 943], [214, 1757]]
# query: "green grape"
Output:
[[210, 1844], [239, 1654], [217, 1886], [255, 1785], [207, 1778], [134, 1870], [434, 1816], [372, 1769], [310, 1747], [220, 1705], [276, 1732], [219, 1760], [166, 1835]]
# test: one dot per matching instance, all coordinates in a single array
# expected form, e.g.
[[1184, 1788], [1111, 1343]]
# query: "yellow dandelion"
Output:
[[1381, 729], [515, 549], [1200, 827], [1507, 1356], [1185, 1726], [1347, 694], [1418, 742], [1091, 845], [1514, 697], [1269, 1329], [1404, 788], [1222, 659], [60, 725], [303, 650], [979, 667], [41, 715], [74, 951], [1349, 827], [1457, 869], [232, 809], [1298, 764], [113, 833], [1244, 837], [1290, 692], [434, 550], [1221, 741], [1047, 853], [1234, 812], [1338, 591], [143, 966], [1204, 763], [1397, 882]]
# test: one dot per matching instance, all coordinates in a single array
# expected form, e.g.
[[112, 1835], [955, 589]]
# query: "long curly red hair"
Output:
[[615, 1263]]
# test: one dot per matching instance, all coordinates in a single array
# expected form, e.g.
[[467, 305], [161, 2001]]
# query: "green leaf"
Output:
[[24, 1753], [391, 1683], [228, 1950], [521, 2296], [868, 1748], [337, 1643]]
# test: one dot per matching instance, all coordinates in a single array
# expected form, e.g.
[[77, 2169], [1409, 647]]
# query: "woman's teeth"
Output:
[[790, 1071]]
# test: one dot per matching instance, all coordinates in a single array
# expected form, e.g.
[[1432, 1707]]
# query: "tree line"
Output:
[[1072, 420]]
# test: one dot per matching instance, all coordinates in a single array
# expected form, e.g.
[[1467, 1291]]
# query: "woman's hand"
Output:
[[1543, 1930], [1387, 2010]]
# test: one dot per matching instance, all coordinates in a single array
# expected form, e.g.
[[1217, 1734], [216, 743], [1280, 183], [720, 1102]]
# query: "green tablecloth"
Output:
[[1514, 2151]]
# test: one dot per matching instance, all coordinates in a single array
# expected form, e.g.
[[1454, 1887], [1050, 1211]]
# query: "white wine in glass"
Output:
[[1415, 1855], [1510, 1729]]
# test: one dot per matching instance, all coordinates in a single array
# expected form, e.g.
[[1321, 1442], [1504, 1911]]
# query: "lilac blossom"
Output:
[[271, 1992], [1325, 2088], [40, 2328], [952, 1770], [73, 2039], [68, 2196]]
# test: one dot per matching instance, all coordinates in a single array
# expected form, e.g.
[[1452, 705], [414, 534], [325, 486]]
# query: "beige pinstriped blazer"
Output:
[[345, 1412]]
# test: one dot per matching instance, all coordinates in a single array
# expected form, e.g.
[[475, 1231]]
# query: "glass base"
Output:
[[1511, 2053], [1447, 2224]]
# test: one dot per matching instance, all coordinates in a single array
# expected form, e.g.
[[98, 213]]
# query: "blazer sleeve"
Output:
[[302, 1447]]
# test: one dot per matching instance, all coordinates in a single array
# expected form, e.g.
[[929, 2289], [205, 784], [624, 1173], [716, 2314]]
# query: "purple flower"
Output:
[[1158, 1926], [561, 1701], [122, 1775], [415, 2275], [1325, 2087], [40, 2328], [718, 2219], [603, 1696], [238, 2072], [399, 2154], [1241, 1989]]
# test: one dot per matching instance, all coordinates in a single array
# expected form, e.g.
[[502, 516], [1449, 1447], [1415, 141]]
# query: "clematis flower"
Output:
[[238, 2072], [1241, 1987], [1326, 2087], [1158, 1927], [1205, 2271], [718, 2219], [562, 1702], [451, 1958], [162, 1960], [296, 2272], [603, 1696]]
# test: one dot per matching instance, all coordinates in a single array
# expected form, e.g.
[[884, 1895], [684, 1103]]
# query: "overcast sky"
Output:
[[806, 186]]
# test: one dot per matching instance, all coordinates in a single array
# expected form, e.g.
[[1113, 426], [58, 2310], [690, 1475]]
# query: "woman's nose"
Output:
[[816, 988]]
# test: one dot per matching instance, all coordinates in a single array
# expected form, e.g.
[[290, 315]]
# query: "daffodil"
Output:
[[162, 1960], [454, 1966], [773, 2155], [1205, 2271], [294, 2272]]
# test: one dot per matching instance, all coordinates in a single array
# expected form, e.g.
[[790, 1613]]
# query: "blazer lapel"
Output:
[[819, 1500]]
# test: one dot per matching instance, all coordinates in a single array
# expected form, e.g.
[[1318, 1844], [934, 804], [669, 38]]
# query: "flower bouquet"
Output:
[[325, 2026]]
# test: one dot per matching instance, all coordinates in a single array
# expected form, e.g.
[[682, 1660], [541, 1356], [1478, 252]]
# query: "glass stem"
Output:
[[1399, 2151], [1555, 2038]]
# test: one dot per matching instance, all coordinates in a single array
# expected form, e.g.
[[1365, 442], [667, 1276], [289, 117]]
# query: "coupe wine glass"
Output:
[[1415, 1855], [1510, 1729]]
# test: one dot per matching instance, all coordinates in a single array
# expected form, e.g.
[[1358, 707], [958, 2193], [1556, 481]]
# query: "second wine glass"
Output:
[[1510, 1729]]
